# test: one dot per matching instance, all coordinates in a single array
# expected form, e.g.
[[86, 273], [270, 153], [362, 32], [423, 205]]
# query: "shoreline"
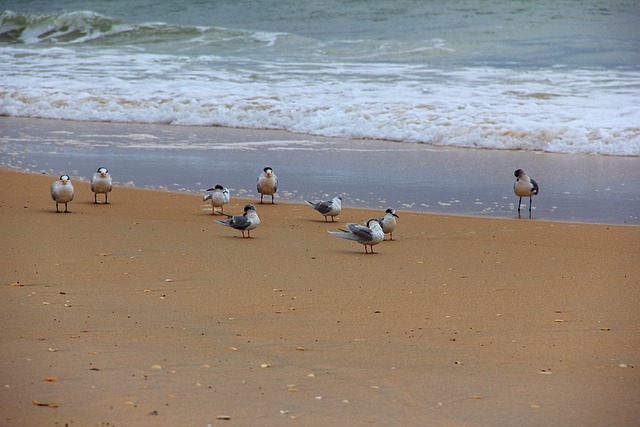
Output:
[[144, 312], [368, 173]]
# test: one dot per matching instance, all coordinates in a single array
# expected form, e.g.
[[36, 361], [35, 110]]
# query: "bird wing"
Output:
[[361, 232], [535, 186], [324, 207], [54, 190], [239, 222]]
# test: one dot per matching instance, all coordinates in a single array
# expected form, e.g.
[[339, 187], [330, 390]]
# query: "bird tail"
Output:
[[222, 222], [313, 205], [343, 235], [207, 196]]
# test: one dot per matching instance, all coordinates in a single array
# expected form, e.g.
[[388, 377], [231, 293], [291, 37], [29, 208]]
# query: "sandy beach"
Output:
[[145, 312]]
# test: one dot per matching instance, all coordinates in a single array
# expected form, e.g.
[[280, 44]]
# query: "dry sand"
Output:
[[144, 312]]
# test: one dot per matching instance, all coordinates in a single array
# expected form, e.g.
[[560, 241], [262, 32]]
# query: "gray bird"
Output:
[[245, 222], [369, 235], [329, 208]]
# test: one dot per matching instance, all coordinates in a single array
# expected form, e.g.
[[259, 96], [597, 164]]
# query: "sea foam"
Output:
[[84, 66]]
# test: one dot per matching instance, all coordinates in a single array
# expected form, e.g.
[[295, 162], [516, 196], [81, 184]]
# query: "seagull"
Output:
[[329, 208], [388, 222], [267, 183], [62, 191], [524, 187], [246, 222], [219, 197], [101, 183], [368, 235]]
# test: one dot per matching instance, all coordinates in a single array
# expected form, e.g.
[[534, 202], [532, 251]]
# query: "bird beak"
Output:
[[269, 175], [396, 215], [103, 174], [64, 181]]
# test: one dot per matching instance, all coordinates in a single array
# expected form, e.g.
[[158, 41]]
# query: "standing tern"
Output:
[[368, 235], [524, 187], [62, 191], [267, 183], [219, 197], [330, 208], [246, 222], [388, 222], [101, 184]]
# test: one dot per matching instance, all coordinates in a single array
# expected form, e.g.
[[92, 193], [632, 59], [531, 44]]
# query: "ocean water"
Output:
[[559, 76]]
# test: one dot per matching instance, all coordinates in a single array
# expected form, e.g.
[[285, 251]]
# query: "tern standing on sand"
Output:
[[62, 191], [524, 187], [267, 183], [369, 235], [101, 184], [219, 197], [246, 222], [330, 208], [388, 222]]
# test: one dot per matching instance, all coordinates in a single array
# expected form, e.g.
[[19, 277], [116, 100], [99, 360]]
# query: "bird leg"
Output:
[[65, 208], [95, 198], [272, 202]]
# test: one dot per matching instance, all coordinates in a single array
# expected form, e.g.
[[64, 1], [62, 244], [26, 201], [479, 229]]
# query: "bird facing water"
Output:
[[219, 197], [524, 187]]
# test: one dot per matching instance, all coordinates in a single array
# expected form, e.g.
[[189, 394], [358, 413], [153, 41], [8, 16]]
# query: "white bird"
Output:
[[388, 222], [267, 183], [368, 235], [62, 191], [246, 222], [219, 197], [524, 187], [329, 208], [101, 184]]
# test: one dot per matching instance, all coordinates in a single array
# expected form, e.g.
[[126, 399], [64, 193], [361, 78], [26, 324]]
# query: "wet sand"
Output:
[[145, 312], [368, 174]]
